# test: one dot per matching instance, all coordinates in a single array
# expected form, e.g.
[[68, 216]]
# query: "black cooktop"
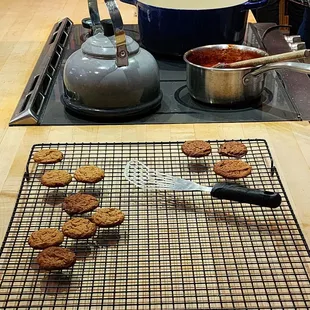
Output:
[[283, 97]]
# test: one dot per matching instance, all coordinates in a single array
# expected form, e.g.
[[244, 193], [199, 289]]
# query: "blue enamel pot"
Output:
[[172, 27]]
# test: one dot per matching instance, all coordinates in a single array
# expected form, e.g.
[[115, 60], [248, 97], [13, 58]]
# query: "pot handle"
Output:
[[294, 66], [253, 4], [120, 37], [132, 2]]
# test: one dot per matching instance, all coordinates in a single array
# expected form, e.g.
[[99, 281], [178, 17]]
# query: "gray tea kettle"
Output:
[[111, 72]]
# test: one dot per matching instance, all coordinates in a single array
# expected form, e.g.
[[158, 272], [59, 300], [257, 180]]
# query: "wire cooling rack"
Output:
[[174, 250]]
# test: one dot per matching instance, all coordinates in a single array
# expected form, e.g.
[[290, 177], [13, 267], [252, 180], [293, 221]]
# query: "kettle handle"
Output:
[[94, 16], [120, 37]]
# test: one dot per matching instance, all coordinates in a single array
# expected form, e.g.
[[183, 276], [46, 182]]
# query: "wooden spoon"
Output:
[[265, 60]]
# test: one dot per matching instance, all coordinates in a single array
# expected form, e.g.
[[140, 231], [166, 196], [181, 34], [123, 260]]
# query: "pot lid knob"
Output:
[[107, 27], [86, 23], [106, 24]]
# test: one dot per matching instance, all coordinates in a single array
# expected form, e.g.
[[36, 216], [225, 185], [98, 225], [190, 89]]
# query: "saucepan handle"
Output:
[[294, 66], [120, 37]]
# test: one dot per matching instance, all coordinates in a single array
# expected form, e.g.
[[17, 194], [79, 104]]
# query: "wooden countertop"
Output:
[[29, 23]]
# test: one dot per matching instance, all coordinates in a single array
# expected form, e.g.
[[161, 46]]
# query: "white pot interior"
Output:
[[192, 4]]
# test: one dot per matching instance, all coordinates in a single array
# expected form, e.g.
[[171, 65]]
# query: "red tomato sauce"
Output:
[[211, 57]]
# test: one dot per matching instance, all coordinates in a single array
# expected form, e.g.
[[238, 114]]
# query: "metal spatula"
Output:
[[142, 176]]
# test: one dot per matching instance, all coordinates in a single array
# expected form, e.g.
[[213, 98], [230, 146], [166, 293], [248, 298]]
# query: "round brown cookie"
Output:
[[48, 156], [108, 217], [56, 178], [196, 148], [45, 237], [233, 149], [79, 228], [80, 203], [89, 174], [55, 258], [232, 169]]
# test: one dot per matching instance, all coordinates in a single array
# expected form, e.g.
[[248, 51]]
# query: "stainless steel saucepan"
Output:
[[225, 85]]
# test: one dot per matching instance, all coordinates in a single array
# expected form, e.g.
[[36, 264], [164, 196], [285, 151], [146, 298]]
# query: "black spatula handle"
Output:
[[240, 193]]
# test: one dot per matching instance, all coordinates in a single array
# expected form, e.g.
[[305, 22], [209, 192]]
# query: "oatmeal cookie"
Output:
[[56, 178], [108, 217], [79, 228], [89, 174], [196, 148], [45, 237], [55, 258], [48, 156], [232, 169], [80, 203], [233, 149]]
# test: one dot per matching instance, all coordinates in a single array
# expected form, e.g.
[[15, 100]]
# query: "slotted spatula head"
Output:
[[144, 177]]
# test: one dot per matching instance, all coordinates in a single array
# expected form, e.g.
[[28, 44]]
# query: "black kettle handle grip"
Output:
[[240, 193], [120, 37]]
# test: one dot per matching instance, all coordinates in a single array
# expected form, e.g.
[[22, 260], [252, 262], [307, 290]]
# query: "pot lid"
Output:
[[192, 5], [100, 45]]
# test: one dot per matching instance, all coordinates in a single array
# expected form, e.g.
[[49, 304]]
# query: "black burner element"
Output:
[[183, 97], [111, 114]]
